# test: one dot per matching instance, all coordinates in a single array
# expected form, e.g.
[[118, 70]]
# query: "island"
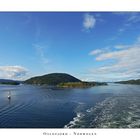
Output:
[[134, 82], [61, 80], [9, 82]]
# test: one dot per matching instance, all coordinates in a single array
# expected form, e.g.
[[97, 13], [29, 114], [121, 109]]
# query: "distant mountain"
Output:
[[9, 82], [60, 80], [52, 79], [135, 82]]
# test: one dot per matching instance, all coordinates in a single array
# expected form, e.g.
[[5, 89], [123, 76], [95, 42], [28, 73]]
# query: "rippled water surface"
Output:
[[121, 110], [39, 107]]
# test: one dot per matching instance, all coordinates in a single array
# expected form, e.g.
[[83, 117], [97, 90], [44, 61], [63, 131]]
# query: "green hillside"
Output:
[[61, 80], [135, 82], [52, 79]]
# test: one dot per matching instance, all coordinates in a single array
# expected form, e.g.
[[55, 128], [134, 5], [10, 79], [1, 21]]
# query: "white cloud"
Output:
[[13, 72], [120, 47], [130, 18], [126, 64], [99, 51], [129, 22], [122, 29], [41, 51], [119, 55], [133, 17], [95, 52], [138, 40], [89, 21]]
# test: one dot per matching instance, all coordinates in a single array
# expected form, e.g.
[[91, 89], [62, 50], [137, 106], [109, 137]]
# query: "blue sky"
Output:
[[93, 46]]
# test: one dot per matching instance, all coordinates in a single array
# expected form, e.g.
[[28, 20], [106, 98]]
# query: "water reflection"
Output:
[[9, 101]]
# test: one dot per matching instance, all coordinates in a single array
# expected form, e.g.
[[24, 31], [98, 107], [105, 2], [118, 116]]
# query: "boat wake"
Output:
[[118, 111]]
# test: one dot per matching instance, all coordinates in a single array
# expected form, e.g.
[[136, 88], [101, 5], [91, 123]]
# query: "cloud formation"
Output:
[[95, 52], [41, 53], [99, 51], [130, 18], [13, 72], [89, 21], [126, 64]]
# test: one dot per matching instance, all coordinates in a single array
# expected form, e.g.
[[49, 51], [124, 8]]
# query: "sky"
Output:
[[92, 46]]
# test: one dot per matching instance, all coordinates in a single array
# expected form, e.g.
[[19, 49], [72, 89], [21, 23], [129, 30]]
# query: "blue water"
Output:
[[39, 107], [120, 110]]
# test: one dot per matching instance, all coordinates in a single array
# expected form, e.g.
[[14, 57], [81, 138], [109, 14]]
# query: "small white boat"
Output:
[[9, 96]]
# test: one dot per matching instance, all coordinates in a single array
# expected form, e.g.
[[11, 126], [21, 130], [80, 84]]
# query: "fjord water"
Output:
[[41, 107]]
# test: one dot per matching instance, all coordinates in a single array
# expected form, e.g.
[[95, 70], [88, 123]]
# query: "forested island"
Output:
[[9, 82], [61, 80], [135, 82]]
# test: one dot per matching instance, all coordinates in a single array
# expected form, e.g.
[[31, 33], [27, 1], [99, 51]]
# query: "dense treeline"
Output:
[[80, 84], [136, 82], [9, 82]]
